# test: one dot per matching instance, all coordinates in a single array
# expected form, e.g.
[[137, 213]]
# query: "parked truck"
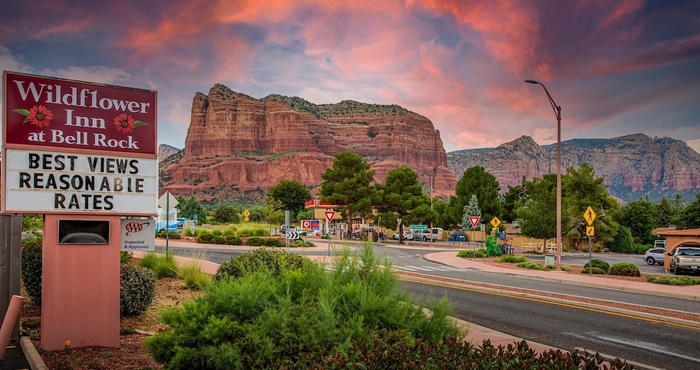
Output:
[[685, 259]]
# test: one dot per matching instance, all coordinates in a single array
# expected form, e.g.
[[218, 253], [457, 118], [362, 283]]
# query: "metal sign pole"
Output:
[[328, 233], [590, 257], [167, 221], [286, 229]]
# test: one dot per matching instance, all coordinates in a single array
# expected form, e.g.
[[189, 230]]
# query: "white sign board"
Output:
[[55, 182], [138, 234]]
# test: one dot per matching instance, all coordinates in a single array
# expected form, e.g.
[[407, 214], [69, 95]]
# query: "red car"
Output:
[[364, 234]]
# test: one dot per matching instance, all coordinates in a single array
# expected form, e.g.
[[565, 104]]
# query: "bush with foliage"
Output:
[[137, 289], [509, 258], [470, 253], [599, 263], [125, 257], [531, 265], [170, 235], [673, 280], [230, 230], [272, 242], [641, 248], [233, 240], [300, 243], [246, 231], [217, 232], [261, 318], [218, 239], [450, 354], [192, 274], [255, 241], [623, 242], [204, 237], [272, 261], [594, 270], [163, 265], [31, 268], [566, 268], [624, 269], [199, 231]]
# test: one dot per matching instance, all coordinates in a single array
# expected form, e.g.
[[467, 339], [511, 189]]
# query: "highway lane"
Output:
[[646, 342]]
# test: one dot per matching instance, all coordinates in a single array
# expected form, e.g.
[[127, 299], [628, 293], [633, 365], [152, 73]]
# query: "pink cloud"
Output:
[[626, 8]]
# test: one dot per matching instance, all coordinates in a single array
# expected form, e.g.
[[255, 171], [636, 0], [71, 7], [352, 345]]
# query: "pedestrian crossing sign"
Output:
[[589, 215]]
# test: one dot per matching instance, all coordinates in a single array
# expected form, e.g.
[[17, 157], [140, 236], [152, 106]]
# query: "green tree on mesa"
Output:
[[348, 185], [638, 216], [291, 193], [484, 185]]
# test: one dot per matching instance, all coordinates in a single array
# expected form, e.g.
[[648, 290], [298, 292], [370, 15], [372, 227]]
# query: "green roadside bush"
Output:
[[272, 242], [255, 241], [641, 248], [245, 232], [566, 268], [594, 271], [199, 231], [673, 280], [300, 243], [187, 232], [217, 232], [230, 230], [31, 268], [163, 265], [596, 262], [193, 276], [509, 258], [125, 257], [260, 232], [233, 240], [218, 239], [261, 319], [170, 235], [271, 261], [531, 265], [624, 269], [204, 237], [470, 253], [623, 241], [137, 289]]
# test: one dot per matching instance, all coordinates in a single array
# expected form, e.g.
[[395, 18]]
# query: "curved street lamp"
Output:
[[557, 112]]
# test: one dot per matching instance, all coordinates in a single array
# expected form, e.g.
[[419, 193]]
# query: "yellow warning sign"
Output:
[[589, 215], [590, 231], [495, 222]]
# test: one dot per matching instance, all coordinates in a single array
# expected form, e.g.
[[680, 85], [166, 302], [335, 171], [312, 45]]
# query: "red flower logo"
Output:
[[38, 116], [125, 124]]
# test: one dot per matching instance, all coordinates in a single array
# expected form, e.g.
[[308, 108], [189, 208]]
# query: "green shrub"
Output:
[[261, 232], [641, 248], [137, 288], [193, 276], [262, 319], [566, 268], [233, 240], [531, 265], [217, 232], [623, 242], [624, 269], [163, 265], [595, 270], [673, 280], [218, 239], [596, 262], [199, 231], [125, 257], [272, 261], [31, 268], [246, 231], [272, 242], [255, 241], [149, 260], [204, 237], [509, 258], [187, 232], [300, 243], [470, 253], [230, 230]]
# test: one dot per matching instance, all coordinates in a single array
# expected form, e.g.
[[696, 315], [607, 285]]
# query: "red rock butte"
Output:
[[237, 144]]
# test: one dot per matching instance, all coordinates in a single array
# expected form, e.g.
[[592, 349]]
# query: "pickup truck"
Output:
[[685, 259]]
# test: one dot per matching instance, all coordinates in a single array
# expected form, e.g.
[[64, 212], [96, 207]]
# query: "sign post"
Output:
[[589, 215], [474, 220], [167, 201], [329, 217]]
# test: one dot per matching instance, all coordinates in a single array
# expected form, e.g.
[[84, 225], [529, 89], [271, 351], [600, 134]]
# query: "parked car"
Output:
[[425, 235], [655, 256], [364, 234], [407, 235], [685, 259], [458, 236]]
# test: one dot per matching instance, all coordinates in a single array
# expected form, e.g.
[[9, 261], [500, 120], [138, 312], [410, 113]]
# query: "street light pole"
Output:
[[432, 178], [557, 111]]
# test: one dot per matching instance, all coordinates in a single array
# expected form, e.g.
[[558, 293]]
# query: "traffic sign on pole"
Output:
[[590, 231], [418, 227], [495, 222], [329, 215], [589, 215], [474, 220]]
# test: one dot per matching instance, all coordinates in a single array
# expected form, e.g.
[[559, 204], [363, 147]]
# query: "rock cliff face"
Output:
[[633, 166], [237, 145]]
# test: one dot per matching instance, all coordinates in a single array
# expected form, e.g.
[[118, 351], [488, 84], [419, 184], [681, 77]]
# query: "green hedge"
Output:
[[31, 268], [137, 289], [272, 261], [596, 262], [470, 253], [624, 269]]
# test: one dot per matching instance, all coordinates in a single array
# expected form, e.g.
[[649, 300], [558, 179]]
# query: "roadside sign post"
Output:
[[590, 216], [286, 227], [329, 217], [167, 201]]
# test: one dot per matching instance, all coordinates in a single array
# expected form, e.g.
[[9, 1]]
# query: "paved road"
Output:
[[652, 343]]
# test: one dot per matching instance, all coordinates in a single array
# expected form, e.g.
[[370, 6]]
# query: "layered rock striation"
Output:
[[236, 143]]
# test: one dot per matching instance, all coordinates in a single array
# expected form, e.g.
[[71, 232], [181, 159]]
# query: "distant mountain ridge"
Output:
[[633, 165]]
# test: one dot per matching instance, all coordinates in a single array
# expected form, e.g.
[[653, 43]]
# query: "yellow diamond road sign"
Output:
[[589, 215], [495, 222], [590, 231]]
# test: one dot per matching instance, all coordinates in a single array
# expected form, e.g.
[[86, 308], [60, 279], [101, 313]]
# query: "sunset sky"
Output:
[[615, 67]]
